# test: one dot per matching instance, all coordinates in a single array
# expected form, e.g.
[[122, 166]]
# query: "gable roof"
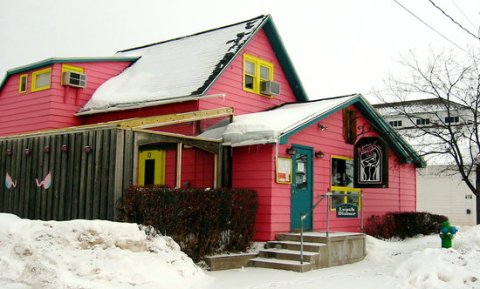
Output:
[[184, 68], [53, 60], [418, 106], [279, 124]]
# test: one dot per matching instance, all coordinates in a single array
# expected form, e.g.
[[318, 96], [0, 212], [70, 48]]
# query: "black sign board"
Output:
[[347, 211], [371, 163]]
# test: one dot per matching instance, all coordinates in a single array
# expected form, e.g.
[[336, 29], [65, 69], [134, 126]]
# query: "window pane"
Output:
[[342, 173], [264, 73], [352, 198], [249, 67], [248, 82], [337, 199], [43, 80]]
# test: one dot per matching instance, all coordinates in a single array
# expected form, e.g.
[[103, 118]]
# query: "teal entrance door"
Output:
[[302, 187]]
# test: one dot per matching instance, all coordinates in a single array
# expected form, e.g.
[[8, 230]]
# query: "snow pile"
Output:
[[90, 254]]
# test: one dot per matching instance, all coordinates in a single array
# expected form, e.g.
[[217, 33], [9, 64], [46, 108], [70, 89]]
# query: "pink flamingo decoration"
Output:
[[46, 183], [9, 183]]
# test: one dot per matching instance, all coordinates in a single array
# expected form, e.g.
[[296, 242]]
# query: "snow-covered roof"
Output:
[[268, 126], [173, 69], [278, 124], [418, 106]]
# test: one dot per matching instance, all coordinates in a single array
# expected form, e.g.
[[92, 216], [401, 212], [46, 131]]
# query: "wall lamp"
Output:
[[87, 149], [319, 154], [322, 127], [291, 151]]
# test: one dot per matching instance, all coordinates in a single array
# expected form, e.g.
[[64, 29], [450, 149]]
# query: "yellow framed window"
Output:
[[342, 183], [22, 84], [41, 79], [255, 70], [66, 68]]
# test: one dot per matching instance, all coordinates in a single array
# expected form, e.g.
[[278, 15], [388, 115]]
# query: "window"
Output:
[[255, 70], [395, 123], [41, 79], [342, 183], [22, 85], [452, 119], [423, 121]]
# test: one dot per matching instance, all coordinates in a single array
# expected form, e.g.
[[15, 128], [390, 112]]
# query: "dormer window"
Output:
[[452, 119], [255, 71], [395, 123], [423, 121], [41, 79], [22, 85]]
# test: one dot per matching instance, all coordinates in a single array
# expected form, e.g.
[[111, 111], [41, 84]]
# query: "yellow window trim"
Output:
[[258, 62], [342, 158], [66, 68], [346, 190], [34, 79], [23, 79]]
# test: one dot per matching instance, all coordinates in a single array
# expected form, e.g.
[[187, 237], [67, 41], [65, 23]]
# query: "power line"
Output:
[[453, 20], [426, 24], [463, 13]]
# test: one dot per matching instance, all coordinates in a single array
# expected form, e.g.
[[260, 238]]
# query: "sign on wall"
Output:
[[347, 211], [371, 163], [284, 171]]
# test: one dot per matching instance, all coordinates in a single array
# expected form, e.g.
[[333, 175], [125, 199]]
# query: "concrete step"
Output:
[[295, 246], [281, 264], [285, 254], [311, 238]]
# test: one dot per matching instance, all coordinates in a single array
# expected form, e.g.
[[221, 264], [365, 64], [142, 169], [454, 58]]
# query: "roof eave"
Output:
[[53, 60]]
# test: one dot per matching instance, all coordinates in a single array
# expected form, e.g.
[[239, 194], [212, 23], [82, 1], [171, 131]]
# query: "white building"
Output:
[[440, 188]]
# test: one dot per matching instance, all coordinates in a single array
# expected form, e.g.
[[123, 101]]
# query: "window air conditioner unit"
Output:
[[270, 88], [74, 79]]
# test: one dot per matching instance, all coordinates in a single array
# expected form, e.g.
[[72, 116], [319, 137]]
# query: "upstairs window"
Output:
[[452, 119], [423, 121], [255, 70], [22, 85], [41, 79], [395, 123]]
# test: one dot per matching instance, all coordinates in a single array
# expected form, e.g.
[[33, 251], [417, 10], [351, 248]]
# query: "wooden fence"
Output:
[[68, 175]]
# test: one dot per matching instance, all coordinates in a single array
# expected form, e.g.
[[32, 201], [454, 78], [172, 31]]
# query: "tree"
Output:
[[445, 124]]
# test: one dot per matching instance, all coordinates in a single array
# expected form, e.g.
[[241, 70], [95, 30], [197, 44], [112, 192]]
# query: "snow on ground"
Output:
[[102, 254], [90, 254]]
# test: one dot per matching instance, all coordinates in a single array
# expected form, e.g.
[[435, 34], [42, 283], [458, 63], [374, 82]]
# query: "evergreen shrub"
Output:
[[403, 224], [202, 221]]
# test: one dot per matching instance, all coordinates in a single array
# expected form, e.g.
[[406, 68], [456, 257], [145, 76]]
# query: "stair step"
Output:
[[285, 254], [281, 264], [312, 238], [293, 245]]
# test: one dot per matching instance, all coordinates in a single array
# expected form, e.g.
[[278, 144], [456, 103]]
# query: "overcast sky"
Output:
[[337, 46]]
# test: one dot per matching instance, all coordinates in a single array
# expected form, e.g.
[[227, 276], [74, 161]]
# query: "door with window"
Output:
[[302, 184], [151, 167]]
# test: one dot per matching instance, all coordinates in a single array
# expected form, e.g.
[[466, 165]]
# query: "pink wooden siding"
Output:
[[54, 107], [197, 168], [231, 82], [254, 167]]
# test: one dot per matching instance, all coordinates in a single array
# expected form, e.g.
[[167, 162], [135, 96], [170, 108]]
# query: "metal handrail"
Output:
[[304, 215]]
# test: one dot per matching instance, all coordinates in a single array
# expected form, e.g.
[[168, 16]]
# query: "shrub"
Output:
[[202, 222], [403, 224]]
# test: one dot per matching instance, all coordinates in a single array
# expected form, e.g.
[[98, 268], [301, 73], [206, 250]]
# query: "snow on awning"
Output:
[[269, 126]]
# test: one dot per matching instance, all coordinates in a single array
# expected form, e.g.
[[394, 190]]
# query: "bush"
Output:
[[202, 222], [403, 224]]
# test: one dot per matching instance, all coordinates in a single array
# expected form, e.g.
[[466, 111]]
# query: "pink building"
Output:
[[221, 108]]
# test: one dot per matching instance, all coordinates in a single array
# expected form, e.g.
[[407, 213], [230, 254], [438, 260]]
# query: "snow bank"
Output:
[[90, 254]]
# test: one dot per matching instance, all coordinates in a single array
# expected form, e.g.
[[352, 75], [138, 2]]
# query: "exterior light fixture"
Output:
[[46, 149], [8, 152], [64, 148], [27, 151], [322, 127], [319, 154], [291, 151]]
